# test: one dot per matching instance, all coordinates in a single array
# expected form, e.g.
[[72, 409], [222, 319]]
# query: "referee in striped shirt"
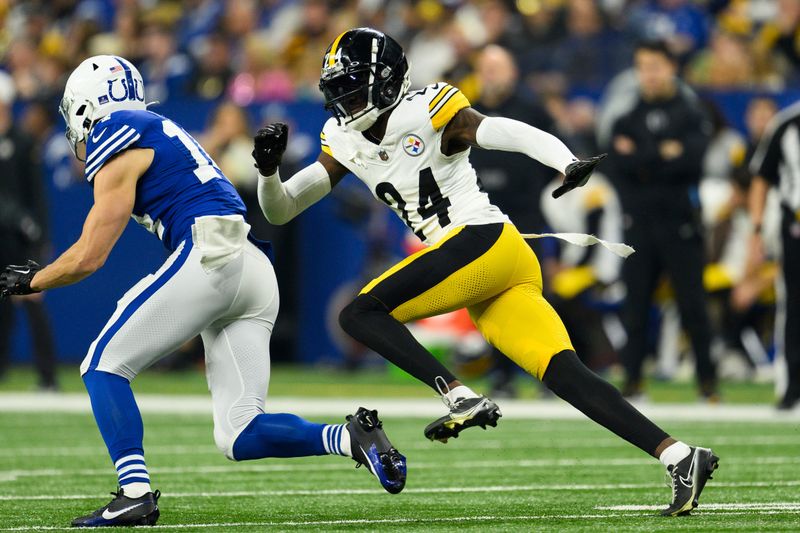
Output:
[[776, 162]]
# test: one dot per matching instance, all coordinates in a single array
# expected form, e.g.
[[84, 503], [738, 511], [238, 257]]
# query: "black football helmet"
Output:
[[364, 74]]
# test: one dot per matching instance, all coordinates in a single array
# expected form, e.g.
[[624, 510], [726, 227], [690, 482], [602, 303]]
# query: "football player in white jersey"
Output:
[[218, 282], [412, 151]]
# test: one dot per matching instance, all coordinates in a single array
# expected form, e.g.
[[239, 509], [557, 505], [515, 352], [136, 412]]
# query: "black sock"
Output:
[[599, 400], [367, 321]]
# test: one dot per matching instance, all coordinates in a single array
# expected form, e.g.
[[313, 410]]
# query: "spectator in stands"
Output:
[[544, 26], [590, 52], [574, 122], [261, 76], [228, 141], [728, 63], [781, 34], [656, 153], [502, 27], [23, 232], [213, 70], [743, 317], [320, 24], [165, 70], [432, 50], [680, 23]]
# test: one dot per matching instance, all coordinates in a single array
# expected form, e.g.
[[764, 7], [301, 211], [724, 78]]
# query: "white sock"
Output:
[[462, 391], [136, 490], [674, 454], [336, 440]]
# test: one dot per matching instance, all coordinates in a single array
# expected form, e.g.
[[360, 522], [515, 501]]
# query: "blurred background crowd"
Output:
[[223, 67]]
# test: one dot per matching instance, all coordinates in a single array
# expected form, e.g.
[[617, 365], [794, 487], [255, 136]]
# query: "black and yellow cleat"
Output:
[[688, 478], [464, 413]]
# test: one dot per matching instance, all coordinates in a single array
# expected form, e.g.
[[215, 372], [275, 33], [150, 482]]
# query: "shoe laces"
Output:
[[444, 390], [670, 478]]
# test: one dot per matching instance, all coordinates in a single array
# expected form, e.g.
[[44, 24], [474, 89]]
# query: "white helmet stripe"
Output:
[[373, 60]]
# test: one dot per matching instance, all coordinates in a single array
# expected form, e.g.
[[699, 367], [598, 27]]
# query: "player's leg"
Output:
[[523, 325], [461, 269], [684, 260], [468, 265], [44, 352], [153, 318], [237, 369], [791, 276], [6, 326], [640, 274]]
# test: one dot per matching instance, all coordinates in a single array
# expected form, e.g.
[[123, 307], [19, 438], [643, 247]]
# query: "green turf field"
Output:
[[522, 476], [331, 382]]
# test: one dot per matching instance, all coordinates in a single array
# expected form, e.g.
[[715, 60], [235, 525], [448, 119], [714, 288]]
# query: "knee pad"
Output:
[[363, 303]]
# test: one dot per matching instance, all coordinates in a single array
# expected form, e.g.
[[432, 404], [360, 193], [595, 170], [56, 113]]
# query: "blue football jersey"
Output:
[[182, 183]]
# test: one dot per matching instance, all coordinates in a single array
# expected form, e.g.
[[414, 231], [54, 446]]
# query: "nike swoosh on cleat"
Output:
[[108, 515], [369, 463], [689, 481], [100, 136]]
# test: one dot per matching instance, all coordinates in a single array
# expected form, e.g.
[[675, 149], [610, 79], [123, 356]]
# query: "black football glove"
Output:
[[268, 147], [16, 279], [577, 174]]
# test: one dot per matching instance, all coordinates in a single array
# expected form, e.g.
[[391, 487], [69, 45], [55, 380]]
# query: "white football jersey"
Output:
[[431, 192]]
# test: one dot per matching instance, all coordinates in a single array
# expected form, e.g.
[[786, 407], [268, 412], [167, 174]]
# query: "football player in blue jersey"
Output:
[[218, 282]]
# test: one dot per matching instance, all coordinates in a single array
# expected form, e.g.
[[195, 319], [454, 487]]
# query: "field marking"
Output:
[[753, 506], [412, 490], [485, 444], [394, 407], [233, 468], [406, 521]]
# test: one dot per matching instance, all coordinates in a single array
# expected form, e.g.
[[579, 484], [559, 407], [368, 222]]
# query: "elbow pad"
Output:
[[500, 133]]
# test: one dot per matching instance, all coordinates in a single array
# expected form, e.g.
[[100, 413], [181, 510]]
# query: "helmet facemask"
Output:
[[358, 93], [76, 116]]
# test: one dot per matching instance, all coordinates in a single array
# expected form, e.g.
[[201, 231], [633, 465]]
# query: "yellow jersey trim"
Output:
[[445, 106]]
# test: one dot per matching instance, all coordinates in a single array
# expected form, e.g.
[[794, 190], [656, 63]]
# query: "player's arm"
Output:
[[114, 196], [470, 128], [281, 201]]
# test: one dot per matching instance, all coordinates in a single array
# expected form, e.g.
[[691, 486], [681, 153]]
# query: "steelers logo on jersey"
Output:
[[413, 145]]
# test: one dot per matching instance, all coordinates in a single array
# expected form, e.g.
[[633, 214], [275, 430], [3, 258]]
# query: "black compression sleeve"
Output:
[[571, 381]]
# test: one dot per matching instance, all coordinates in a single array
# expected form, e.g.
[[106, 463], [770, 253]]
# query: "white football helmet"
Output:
[[95, 89]]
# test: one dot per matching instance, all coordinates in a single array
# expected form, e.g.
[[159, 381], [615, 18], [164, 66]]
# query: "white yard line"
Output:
[[421, 490], [407, 521], [11, 475], [752, 506], [487, 443], [350, 522], [394, 407]]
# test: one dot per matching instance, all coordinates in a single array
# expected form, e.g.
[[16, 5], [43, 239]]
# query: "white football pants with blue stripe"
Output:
[[219, 285]]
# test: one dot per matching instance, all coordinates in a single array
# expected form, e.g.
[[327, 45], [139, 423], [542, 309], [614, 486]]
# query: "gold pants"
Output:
[[490, 270]]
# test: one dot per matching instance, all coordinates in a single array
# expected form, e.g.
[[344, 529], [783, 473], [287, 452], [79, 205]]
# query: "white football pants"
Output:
[[218, 285]]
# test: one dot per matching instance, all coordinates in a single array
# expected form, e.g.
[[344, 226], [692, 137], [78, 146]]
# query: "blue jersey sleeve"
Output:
[[113, 134]]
